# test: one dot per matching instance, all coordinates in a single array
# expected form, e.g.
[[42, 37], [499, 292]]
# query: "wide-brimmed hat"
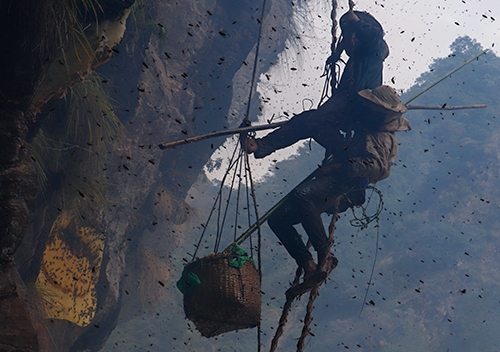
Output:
[[384, 97]]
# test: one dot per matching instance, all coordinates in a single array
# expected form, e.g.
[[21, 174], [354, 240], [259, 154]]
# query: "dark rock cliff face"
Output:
[[32, 72], [74, 240], [17, 180], [18, 184]]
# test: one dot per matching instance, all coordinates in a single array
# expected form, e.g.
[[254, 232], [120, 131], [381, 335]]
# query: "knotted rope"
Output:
[[329, 71], [310, 304], [330, 82]]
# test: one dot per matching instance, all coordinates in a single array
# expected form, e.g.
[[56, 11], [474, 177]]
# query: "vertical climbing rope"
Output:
[[362, 222], [284, 314], [377, 226], [310, 305], [255, 63], [330, 84], [329, 71], [306, 330]]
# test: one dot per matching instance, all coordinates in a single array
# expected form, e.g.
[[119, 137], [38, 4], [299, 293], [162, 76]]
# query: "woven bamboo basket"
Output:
[[227, 299]]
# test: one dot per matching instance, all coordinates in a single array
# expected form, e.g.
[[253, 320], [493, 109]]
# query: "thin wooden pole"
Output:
[[219, 133], [445, 76], [445, 107]]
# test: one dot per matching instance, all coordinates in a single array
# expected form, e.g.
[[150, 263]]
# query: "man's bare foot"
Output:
[[309, 268], [329, 264]]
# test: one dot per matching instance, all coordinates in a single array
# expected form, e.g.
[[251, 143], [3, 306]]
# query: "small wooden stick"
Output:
[[351, 5], [445, 107]]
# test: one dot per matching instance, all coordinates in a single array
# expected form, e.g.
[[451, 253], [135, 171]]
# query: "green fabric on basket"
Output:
[[241, 257], [188, 282]]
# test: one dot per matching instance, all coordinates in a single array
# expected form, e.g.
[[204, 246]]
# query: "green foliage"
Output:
[[71, 18], [74, 144], [144, 15], [158, 28]]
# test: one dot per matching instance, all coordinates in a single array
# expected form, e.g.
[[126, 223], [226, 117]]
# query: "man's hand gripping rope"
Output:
[[247, 140]]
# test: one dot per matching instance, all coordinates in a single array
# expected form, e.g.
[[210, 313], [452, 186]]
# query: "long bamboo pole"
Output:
[[278, 124]]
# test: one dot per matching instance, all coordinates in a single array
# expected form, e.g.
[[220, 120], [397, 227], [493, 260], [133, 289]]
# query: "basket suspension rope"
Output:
[[259, 266], [249, 220], [237, 207], [232, 162], [236, 162], [259, 239], [283, 319], [256, 211], [222, 222], [247, 167], [245, 163], [238, 171]]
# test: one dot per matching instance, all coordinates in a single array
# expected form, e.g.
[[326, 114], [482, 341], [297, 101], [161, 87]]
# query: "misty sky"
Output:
[[434, 24]]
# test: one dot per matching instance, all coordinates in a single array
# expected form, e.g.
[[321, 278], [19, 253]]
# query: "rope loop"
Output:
[[364, 220]]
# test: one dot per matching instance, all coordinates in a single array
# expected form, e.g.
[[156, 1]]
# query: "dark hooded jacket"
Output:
[[365, 45]]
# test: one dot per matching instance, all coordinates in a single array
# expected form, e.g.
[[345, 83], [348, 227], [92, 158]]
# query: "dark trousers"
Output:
[[305, 205]]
